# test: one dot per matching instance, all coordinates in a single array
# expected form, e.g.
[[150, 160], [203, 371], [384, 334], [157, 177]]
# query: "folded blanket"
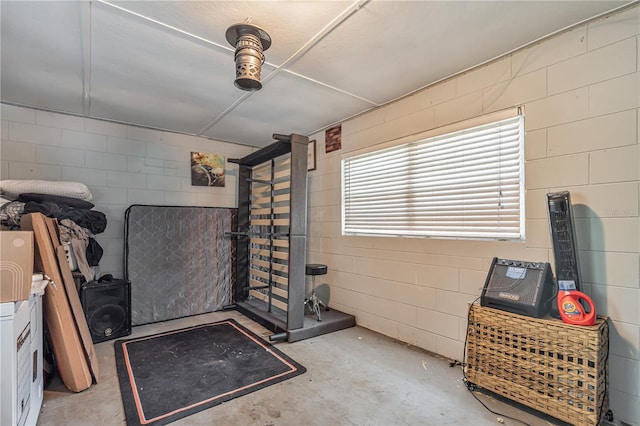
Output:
[[55, 199], [93, 220], [12, 188]]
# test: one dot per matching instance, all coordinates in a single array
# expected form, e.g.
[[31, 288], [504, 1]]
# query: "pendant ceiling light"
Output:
[[250, 42]]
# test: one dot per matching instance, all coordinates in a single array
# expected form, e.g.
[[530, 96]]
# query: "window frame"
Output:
[[514, 116]]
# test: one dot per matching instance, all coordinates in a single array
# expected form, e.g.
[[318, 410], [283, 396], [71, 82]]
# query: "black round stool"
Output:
[[313, 301]]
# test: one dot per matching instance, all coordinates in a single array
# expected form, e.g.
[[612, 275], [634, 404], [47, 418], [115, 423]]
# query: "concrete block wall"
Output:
[[581, 95], [122, 165]]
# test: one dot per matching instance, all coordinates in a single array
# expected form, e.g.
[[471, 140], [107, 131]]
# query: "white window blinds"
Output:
[[465, 184]]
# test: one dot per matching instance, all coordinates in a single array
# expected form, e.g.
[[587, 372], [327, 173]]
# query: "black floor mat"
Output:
[[172, 375]]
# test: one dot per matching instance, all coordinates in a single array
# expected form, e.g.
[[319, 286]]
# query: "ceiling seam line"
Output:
[[87, 75], [341, 121], [326, 30], [239, 100], [320, 35], [224, 113], [512, 51], [162, 24], [123, 123], [233, 105], [376, 104]]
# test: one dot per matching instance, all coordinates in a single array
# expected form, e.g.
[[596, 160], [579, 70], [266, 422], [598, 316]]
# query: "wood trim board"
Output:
[[78, 313], [73, 297]]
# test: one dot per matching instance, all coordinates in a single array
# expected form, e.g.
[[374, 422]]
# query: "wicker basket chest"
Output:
[[553, 367]]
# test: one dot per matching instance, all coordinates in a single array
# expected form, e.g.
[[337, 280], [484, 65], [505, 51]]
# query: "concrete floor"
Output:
[[354, 377]]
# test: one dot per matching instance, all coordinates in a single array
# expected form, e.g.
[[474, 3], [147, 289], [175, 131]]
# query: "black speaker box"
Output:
[[563, 237], [521, 287], [107, 308]]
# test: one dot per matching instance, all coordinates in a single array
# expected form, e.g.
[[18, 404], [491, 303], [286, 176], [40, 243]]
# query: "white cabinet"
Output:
[[21, 381]]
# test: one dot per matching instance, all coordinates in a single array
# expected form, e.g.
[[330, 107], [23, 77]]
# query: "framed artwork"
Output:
[[311, 155], [333, 138], [207, 169]]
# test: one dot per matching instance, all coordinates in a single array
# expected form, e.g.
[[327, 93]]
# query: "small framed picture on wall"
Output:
[[207, 169], [333, 138], [311, 155]]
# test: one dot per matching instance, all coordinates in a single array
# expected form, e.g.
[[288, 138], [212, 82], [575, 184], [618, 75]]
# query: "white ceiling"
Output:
[[167, 64]]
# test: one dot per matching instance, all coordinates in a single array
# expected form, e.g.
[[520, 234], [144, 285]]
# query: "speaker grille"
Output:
[[565, 250], [511, 284], [107, 321], [107, 308], [520, 287]]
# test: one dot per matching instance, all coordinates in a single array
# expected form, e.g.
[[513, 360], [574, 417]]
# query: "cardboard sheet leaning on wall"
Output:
[[76, 359]]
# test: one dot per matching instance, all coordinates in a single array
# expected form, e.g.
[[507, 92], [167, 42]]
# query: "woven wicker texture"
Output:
[[553, 367]]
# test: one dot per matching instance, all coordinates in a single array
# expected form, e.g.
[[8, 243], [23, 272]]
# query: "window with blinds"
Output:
[[464, 184]]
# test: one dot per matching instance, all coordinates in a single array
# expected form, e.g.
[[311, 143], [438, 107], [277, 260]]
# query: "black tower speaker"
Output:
[[107, 308], [563, 236], [517, 286]]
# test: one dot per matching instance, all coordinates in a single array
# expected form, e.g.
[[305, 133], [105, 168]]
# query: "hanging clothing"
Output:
[[78, 237]]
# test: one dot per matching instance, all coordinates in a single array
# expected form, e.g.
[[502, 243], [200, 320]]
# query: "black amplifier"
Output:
[[518, 286]]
